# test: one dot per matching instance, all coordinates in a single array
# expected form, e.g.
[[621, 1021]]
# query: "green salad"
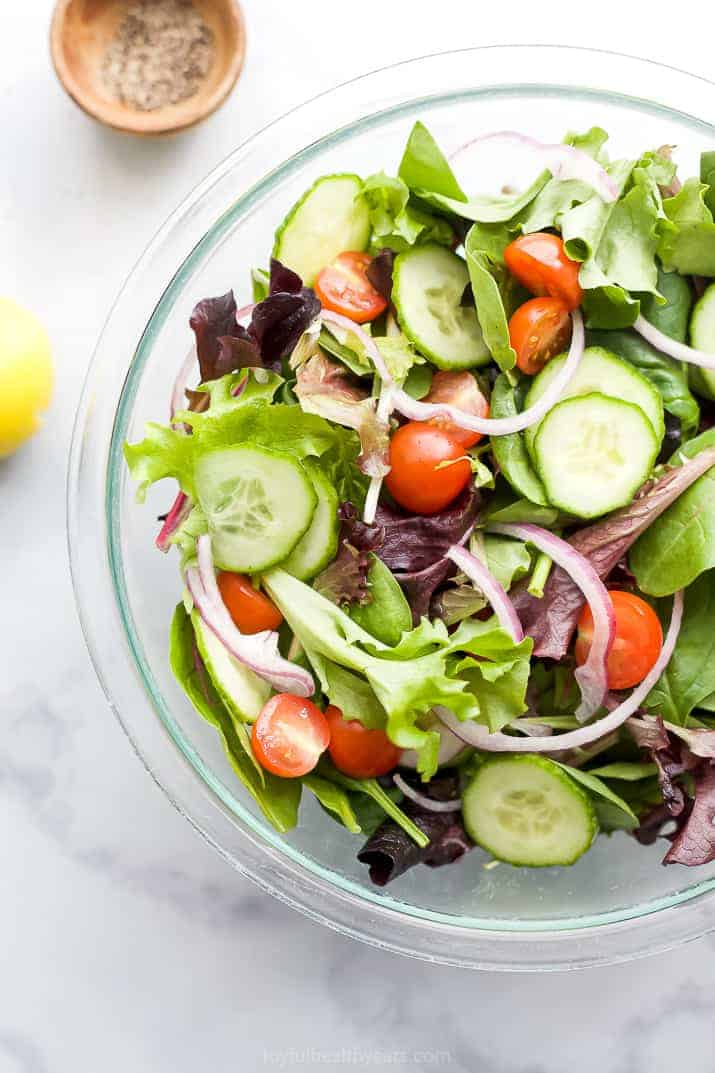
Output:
[[446, 509]]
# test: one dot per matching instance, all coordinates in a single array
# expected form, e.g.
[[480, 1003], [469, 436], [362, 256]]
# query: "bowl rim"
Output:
[[490, 946]]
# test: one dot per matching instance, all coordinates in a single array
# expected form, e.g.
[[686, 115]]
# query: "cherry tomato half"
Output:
[[539, 261], [289, 735], [359, 752], [638, 641], [462, 390], [250, 609], [538, 331], [416, 451], [344, 288]]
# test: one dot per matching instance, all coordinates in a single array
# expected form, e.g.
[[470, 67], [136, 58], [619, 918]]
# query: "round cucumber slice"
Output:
[[599, 370], [319, 546], [702, 337], [526, 811], [242, 691], [427, 288], [258, 504], [593, 453], [330, 217]]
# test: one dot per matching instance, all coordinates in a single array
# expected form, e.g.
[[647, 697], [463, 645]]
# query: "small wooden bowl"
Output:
[[81, 32]]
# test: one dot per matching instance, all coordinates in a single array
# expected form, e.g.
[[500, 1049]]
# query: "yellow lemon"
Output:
[[26, 374]]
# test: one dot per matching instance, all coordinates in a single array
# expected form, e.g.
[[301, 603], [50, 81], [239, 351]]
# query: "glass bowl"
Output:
[[617, 901]]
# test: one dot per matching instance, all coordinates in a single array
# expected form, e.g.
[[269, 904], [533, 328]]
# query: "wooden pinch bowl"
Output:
[[82, 30]]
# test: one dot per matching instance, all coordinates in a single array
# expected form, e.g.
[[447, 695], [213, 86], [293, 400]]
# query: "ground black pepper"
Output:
[[162, 52]]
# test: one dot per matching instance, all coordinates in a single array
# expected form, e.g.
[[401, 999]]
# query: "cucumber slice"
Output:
[[258, 504], [526, 811], [593, 453], [427, 288], [599, 370], [242, 691], [331, 217], [319, 546], [702, 337]]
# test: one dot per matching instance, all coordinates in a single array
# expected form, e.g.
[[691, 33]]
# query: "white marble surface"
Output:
[[125, 943]]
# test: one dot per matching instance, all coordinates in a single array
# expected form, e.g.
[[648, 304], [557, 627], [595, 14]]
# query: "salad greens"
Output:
[[393, 570]]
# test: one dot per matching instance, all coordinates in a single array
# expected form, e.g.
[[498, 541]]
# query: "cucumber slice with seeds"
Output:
[[258, 504], [593, 453], [702, 337], [427, 288], [330, 218], [319, 546], [526, 811], [242, 691], [599, 371]]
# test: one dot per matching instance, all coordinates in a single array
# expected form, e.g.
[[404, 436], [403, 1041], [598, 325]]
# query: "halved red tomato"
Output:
[[289, 736], [538, 331], [357, 751], [540, 262], [344, 288], [638, 641]]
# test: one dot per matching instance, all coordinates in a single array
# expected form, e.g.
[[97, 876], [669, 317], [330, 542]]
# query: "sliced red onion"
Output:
[[679, 351], [369, 344], [477, 572], [384, 409], [563, 161], [499, 426], [423, 801], [479, 736], [180, 510], [258, 651], [592, 676]]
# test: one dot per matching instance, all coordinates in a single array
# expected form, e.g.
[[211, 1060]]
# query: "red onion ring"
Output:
[[258, 651], [180, 510], [592, 676], [478, 573], [423, 801], [674, 349], [479, 736], [563, 161], [499, 426]]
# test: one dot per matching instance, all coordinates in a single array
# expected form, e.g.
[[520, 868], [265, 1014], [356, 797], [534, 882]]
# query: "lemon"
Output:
[[26, 375]]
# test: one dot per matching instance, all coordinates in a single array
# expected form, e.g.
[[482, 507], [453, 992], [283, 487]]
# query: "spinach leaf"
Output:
[[609, 306], [625, 771], [490, 283], [335, 799], [594, 785], [510, 452], [689, 678], [373, 789], [425, 167], [277, 798], [680, 545], [388, 614]]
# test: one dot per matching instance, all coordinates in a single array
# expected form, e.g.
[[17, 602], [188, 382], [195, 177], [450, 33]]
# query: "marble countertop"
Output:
[[126, 944]]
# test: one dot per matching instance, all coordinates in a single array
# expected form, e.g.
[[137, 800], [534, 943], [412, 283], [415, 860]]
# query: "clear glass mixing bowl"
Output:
[[618, 901]]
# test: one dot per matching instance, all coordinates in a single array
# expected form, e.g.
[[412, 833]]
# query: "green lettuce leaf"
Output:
[[687, 236], [277, 798], [500, 687], [395, 221], [707, 177]]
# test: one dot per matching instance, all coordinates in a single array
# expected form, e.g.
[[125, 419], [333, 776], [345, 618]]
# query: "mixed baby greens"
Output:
[[452, 432]]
